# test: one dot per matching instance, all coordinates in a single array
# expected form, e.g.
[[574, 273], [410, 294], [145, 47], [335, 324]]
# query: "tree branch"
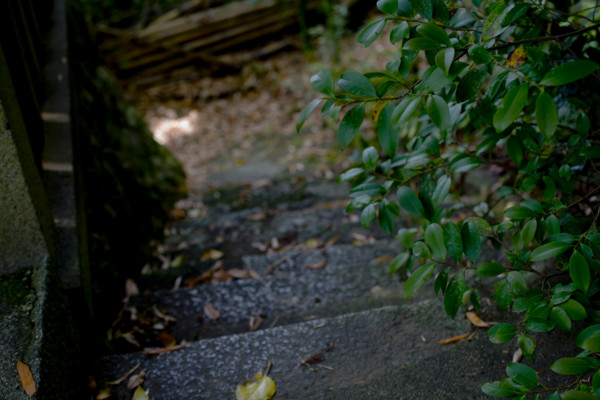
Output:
[[546, 38]]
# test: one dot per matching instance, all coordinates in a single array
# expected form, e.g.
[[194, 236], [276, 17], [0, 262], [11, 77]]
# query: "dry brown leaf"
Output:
[[383, 258], [454, 339], [131, 288], [255, 322], [476, 321], [331, 242], [517, 355], [238, 273], [26, 378], [253, 274], [257, 217], [275, 243], [313, 359], [103, 394], [165, 350], [128, 336], [166, 339], [211, 312], [317, 265], [136, 380]]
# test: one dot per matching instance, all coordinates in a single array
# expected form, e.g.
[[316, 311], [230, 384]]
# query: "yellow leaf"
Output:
[[140, 394], [26, 378], [212, 254], [476, 321], [377, 110], [517, 57], [261, 387], [103, 394]]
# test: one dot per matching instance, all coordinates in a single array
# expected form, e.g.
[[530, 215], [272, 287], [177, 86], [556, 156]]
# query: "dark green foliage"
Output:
[[506, 86]]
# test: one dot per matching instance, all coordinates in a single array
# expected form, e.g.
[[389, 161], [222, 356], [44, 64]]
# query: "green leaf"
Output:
[[549, 250], [351, 174], [371, 32], [417, 279], [423, 7], [572, 366], [421, 43], [471, 243], [479, 55], [387, 134], [504, 388], [522, 374], [305, 113], [577, 395], [350, 124], [357, 84], [438, 111], [517, 281], [410, 202], [434, 32], [519, 212], [444, 58], [453, 240], [502, 333], [490, 269], [454, 294], [464, 163], [367, 215], [442, 187], [386, 218], [579, 271], [568, 72], [434, 238], [389, 7], [546, 114], [512, 105], [539, 325], [515, 152], [560, 318], [322, 81], [589, 339], [441, 282], [527, 234], [527, 346], [574, 310], [406, 109], [470, 84], [399, 262], [399, 32]]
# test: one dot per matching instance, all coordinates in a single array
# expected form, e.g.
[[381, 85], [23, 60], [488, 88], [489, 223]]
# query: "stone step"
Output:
[[346, 279], [388, 352]]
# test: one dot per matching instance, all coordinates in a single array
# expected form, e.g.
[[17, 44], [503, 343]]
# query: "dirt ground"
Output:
[[216, 123]]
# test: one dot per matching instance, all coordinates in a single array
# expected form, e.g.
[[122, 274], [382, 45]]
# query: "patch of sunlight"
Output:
[[168, 129]]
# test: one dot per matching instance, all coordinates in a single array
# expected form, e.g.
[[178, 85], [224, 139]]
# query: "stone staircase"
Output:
[[295, 281]]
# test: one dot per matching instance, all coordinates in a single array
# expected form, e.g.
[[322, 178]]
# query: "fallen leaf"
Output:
[[331, 242], [238, 273], [313, 243], [211, 312], [124, 377], [476, 321], [165, 350], [255, 322], [257, 217], [253, 274], [178, 261], [383, 258], [131, 288], [260, 387], [166, 339], [26, 378], [376, 289], [454, 339], [103, 394], [517, 355], [212, 254], [317, 265], [136, 380], [140, 394], [275, 243], [311, 360]]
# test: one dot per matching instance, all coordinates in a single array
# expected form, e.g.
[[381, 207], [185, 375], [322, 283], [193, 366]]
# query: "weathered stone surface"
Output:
[[371, 352], [22, 237]]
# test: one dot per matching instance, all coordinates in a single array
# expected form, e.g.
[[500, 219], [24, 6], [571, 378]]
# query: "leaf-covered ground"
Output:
[[215, 123]]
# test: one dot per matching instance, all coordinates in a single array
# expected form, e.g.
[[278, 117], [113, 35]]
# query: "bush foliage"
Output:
[[509, 90]]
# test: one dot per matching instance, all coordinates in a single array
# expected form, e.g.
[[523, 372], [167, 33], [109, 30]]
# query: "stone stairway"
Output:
[[311, 295]]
